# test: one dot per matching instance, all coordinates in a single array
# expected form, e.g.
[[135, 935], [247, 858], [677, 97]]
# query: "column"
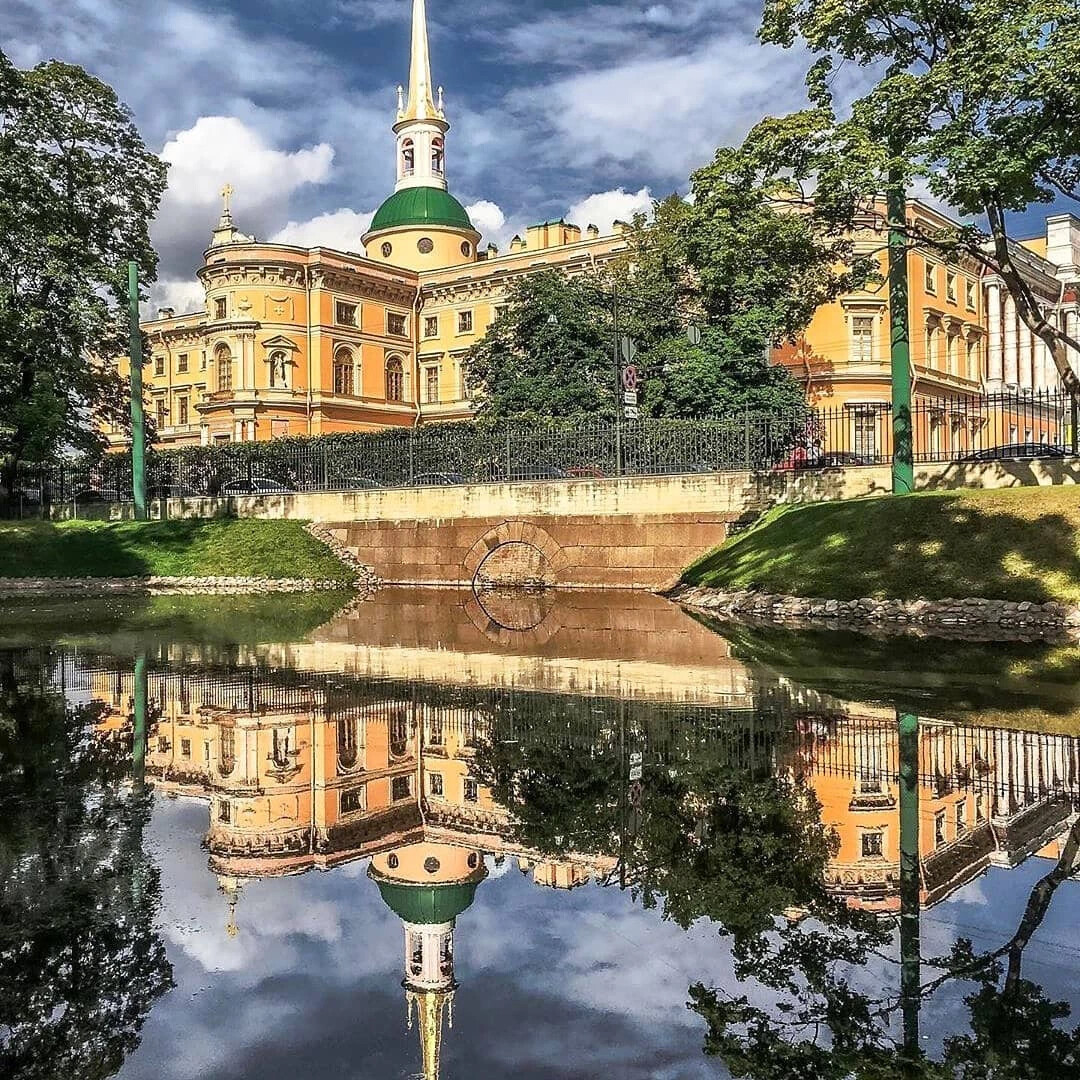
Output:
[[1071, 329], [1044, 365], [1025, 379], [993, 345], [1010, 342]]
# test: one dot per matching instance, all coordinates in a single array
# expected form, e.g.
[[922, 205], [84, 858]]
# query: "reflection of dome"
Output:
[[427, 905], [420, 206], [428, 884]]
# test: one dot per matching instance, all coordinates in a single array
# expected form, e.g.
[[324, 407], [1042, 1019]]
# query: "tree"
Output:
[[81, 963], [973, 100], [78, 190], [548, 353], [745, 271]]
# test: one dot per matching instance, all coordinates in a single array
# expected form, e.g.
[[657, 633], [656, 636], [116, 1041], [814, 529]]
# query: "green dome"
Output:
[[427, 905], [421, 206]]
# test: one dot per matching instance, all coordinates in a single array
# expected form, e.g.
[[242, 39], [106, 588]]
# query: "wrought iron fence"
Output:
[[964, 428]]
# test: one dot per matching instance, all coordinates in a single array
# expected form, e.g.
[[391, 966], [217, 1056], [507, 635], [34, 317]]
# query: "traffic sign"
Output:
[[629, 397], [636, 758], [635, 773], [630, 377], [631, 412], [693, 334], [627, 348]]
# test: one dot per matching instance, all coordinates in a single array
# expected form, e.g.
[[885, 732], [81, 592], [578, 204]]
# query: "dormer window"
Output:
[[408, 157], [437, 156]]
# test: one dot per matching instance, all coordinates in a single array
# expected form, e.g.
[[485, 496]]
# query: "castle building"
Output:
[[310, 341]]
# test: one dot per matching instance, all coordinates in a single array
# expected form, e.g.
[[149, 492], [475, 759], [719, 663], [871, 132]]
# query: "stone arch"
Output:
[[545, 553]]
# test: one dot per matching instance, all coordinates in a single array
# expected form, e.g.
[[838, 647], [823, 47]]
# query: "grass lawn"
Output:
[[201, 548], [1014, 544]]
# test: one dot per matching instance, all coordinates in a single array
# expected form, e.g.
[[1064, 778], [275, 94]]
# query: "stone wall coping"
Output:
[[1037, 619], [162, 586]]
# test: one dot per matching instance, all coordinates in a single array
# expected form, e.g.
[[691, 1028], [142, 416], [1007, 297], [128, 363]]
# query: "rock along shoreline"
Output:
[[171, 586], [948, 615]]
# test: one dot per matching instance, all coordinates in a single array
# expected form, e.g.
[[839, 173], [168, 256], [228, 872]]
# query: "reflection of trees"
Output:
[[80, 963]]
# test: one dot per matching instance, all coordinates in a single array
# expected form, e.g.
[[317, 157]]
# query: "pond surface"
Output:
[[559, 835]]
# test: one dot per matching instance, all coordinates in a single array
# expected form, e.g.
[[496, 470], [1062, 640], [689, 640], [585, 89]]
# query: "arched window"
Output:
[[343, 372], [279, 370], [399, 734], [223, 359], [348, 742], [283, 753], [227, 758], [437, 156], [395, 379], [408, 157]]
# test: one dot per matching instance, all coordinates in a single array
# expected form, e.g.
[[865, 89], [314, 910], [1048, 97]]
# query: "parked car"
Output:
[[360, 483], [586, 472], [800, 458], [439, 479], [1017, 451], [537, 472], [171, 491], [257, 485], [675, 468]]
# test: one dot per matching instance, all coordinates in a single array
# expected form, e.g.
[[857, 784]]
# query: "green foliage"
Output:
[[192, 548], [970, 98], [78, 190], [548, 353], [1017, 544], [81, 963]]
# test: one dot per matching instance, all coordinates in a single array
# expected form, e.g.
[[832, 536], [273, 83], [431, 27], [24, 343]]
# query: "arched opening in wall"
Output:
[[395, 379], [437, 156], [344, 381], [408, 158], [279, 371], [348, 742], [399, 734], [223, 360], [514, 586], [227, 753]]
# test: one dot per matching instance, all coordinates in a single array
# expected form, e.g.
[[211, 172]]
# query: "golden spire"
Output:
[[430, 1005], [421, 104]]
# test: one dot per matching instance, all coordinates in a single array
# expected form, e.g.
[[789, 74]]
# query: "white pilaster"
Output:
[[1025, 372], [1009, 342], [994, 375]]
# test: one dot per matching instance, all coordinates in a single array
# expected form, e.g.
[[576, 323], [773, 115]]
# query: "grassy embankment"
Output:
[[201, 548], [1015, 544]]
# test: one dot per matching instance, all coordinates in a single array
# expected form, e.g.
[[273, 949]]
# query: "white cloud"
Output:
[[604, 208], [492, 224], [341, 229], [183, 296]]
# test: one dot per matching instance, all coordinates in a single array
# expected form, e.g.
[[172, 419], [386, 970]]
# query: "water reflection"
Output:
[[818, 835]]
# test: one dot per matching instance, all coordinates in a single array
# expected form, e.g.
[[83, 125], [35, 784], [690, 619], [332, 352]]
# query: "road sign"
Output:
[[635, 773], [693, 334], [631, 412], [636, 758], [629, 397], [627, 348], [630, 377]]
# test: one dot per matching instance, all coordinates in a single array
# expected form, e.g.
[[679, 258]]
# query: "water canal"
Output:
[[561, 835]]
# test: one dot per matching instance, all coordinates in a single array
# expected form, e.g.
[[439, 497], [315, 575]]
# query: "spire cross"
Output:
[[227, 194]]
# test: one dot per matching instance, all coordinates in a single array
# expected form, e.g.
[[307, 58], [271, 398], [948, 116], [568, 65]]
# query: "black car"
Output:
[[1018, 452], [537, 472], [439, 479], [359, 483], [257, 485]]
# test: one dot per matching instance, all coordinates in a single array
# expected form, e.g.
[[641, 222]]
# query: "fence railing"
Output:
[[971, 428]]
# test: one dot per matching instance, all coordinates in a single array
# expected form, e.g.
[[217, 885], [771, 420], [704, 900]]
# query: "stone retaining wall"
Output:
[[948, 613]]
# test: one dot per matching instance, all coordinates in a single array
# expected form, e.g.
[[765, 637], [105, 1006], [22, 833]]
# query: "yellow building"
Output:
[[309, 341]]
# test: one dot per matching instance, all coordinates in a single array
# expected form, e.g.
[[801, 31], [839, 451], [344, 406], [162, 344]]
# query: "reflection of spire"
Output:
[[230, 887], [430, 1006], [421, 105]]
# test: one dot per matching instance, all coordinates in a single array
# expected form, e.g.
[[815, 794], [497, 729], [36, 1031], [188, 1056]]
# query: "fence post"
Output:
[[746, 441], [412, 457]]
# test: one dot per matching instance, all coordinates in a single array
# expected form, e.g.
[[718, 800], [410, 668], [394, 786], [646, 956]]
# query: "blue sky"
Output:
[[559, 107]]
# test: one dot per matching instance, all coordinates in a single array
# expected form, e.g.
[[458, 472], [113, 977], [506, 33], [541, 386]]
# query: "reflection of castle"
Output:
[[988, 796]]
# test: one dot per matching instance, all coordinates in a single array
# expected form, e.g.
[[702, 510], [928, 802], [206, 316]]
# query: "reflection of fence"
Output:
[[858, 433], [1013, 769]]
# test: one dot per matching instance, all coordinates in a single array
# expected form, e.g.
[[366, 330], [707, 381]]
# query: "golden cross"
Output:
[[226, 194]]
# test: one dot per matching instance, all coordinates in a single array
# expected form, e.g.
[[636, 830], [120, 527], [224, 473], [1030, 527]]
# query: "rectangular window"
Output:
[[931, 346], [866, 434], [969, 294], [161, 413], [973, 359], [224, 811], [159, 365], [202, 362], [872, 845], [950, 286], [862, 331], [961, 819], [182, 411], [400, 788], [431, 384], [951, 342], [472, 792], [185, 748], [343, 376], [352, 801], [396, 325], [182, 363], [220, 309], [224, 375], [206, 752], [980, 807], [345, 314], [435, 784], [465, 322], [431, 326], [931, 277], [162, 745], [939, 828]]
